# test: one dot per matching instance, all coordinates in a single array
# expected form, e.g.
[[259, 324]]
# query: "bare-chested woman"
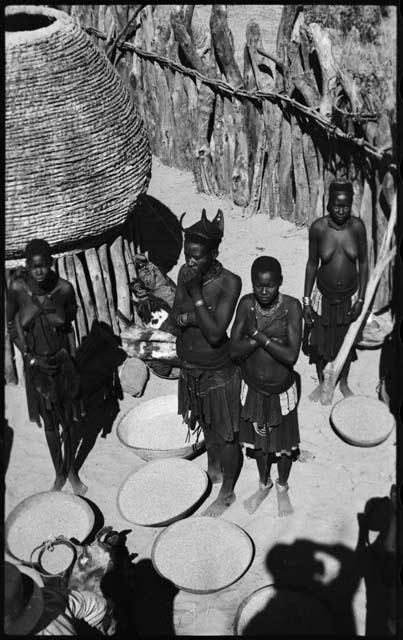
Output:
[[209, 384], [339, 243], [266, 339], [40, 309]]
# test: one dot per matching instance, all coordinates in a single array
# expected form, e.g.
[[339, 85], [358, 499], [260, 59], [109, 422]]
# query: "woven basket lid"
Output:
[[45, 516], [77, 155], [282, 611], [362, 421], [161, 492], [202, 554]]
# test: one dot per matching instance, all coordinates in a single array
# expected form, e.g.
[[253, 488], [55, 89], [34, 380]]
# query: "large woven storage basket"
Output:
[[77, 155], [149, 412]]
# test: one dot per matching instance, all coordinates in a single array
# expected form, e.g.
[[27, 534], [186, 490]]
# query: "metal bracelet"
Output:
[[32, 362], [199, 303], [266, 344], [360, 300], [254, 334], [306, 301]]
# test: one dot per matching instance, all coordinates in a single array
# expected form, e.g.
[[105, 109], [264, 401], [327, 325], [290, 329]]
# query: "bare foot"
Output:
[[220, 504], [254, 501], [79, 488], [315, 395], [345, 389], [283, 501], [59, 483], [326, 397], [305, 456]]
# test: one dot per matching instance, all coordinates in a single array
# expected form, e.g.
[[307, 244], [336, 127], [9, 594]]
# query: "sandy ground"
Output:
[[327, 492]]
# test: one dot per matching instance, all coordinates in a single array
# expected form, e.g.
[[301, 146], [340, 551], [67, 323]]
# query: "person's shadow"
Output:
[[144, 601], [377, 560], [98, 358], [305, 602]]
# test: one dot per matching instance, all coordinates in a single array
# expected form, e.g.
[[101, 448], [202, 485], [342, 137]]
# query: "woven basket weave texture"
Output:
[[77, 155]]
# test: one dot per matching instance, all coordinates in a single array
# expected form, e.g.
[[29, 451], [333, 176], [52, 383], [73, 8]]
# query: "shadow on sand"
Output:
[[308, 602], [98, 358], [157, 230], [305, 603]]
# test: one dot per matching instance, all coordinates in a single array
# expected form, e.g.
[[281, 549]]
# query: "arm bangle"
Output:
[[32, 362], [306, 301], [360, 300], [254, 334], [199, 303], [266, 344]]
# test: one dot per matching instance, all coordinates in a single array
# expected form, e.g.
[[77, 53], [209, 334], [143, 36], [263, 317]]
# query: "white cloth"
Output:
[[77, 605]]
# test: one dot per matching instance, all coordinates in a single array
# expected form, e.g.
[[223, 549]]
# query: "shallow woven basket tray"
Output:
[[362, 421], [202, 554], [288, 612], [148, 417], [161, 492], [77, 154], [46, 515]]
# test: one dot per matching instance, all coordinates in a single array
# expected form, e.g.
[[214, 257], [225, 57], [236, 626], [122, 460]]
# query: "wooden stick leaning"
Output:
[[386, 255], [122, 282]]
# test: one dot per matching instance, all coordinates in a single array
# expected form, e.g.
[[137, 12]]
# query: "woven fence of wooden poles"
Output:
[[273, 133]]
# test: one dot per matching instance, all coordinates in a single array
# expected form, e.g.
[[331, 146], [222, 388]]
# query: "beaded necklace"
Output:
[[271, 310]]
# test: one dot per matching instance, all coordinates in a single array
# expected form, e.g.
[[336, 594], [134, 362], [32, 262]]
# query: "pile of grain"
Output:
[[362, 421], [161, 492], [273, 611], [202, 554], [44, 516], [155, 424]]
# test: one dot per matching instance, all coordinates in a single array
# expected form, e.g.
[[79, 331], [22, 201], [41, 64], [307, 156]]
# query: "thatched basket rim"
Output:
[[15, 38]]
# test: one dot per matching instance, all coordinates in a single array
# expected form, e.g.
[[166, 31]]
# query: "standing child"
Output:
[[266, 339]]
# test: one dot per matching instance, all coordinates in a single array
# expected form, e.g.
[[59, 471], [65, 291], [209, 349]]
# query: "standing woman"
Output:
[[209, 383], [40, 310]]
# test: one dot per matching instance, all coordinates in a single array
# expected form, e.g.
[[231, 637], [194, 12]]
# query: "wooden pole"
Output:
[[71, 276], [386, 255], [103, 259], [129, 260], [88, 303], [95, 272], [122, 283], [224, 50]]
